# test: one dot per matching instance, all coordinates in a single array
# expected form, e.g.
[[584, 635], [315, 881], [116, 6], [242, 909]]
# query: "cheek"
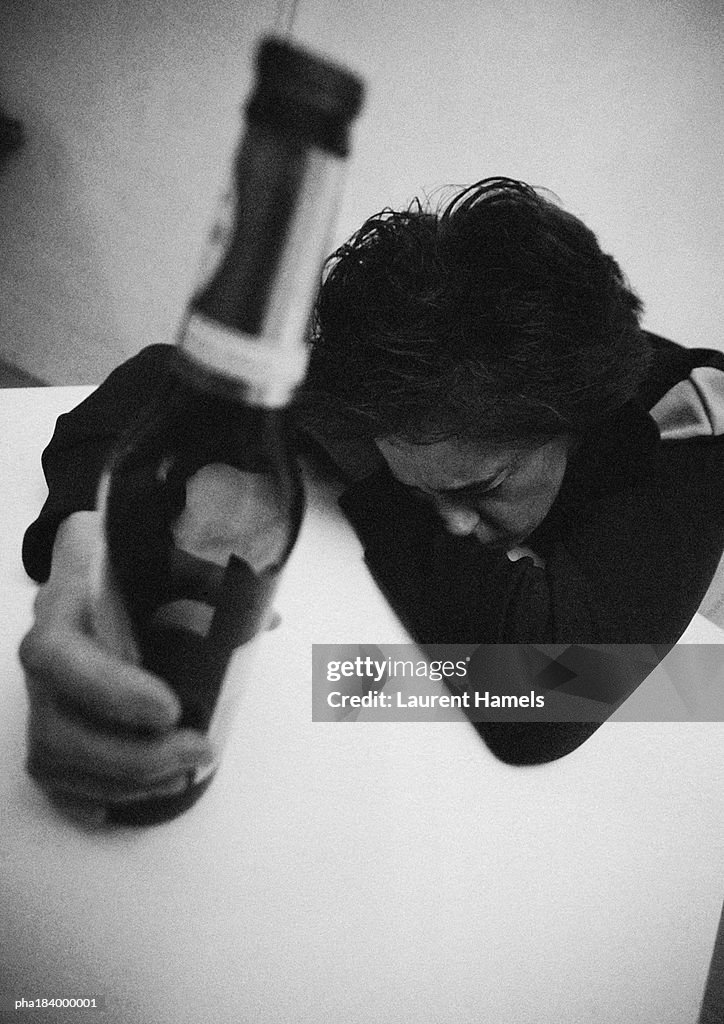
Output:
[[513, 519], [522, 508]]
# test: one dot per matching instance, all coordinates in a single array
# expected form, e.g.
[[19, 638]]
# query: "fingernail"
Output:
[[173, 788], [207, 758], [274, 621]]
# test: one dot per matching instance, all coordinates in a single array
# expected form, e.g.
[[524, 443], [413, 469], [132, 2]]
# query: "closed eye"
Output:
[[469, 493], [475, 491]]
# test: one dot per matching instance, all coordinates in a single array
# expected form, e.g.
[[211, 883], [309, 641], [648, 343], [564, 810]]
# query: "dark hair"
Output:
[[497, 317]]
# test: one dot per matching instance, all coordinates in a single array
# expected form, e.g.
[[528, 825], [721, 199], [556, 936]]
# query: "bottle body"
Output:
[[202, 500], [201, 507]]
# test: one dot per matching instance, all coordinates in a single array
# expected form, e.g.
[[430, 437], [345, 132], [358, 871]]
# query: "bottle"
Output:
[[202, 500]]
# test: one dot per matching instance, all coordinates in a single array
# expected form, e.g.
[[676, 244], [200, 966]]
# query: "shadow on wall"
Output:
[[12, 377], [11, 136], [57, 306]]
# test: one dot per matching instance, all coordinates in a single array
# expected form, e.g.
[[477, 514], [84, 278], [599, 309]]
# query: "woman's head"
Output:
[[496, 318]]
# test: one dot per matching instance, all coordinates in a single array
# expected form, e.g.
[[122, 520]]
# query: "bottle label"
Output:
[[269, 373], [209, 598]]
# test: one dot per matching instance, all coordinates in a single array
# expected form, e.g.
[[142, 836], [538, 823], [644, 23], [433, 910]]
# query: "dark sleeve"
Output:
[[82, 441], [627, 565], [671, 364]]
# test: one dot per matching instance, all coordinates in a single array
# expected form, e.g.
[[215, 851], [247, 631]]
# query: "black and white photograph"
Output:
[[362, 534]]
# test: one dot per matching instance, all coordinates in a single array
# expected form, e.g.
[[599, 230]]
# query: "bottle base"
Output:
[[160, 809]]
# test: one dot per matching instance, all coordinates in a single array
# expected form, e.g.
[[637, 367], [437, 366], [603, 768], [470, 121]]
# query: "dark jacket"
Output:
[[629, 546]]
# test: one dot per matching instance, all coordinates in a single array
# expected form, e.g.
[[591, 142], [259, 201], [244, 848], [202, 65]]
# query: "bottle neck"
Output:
[[254, 369], [250, 321]]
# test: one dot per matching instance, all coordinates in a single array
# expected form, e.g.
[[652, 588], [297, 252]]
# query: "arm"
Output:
[[628, 565], [625, 567], [83, 440]]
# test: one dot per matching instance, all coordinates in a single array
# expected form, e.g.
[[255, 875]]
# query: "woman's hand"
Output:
[[102, 730]]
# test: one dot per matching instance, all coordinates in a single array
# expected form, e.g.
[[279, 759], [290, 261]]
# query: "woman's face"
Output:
[[499, 493]]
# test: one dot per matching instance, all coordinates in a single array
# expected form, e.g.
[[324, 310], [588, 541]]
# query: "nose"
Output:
[[459, 521]]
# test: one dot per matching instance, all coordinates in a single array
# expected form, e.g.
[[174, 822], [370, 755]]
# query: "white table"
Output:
[[359, 872]]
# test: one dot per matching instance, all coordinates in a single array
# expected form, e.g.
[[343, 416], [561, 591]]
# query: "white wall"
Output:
[[618, 107], [131, 111]]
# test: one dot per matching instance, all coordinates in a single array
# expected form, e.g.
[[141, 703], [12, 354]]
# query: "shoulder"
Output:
[[150, 363], [351, 460], [684, 390]]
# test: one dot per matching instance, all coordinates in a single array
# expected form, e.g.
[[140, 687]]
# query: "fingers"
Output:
[[67, 754], [64, 654], [101, 729], [89, 814], [69, 668], [81, 802]]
